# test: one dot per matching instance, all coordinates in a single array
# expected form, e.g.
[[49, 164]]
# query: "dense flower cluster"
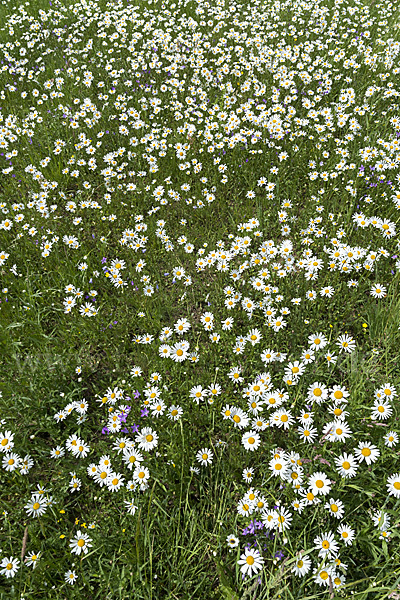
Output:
[[141, 110]]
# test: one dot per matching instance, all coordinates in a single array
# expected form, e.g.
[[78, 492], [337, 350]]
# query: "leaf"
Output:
[[227, 592]]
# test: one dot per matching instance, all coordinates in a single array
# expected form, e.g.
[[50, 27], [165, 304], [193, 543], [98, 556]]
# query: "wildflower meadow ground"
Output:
[[199, 308]]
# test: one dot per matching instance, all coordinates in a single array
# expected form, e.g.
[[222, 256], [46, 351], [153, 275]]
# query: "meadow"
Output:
[[199, 307]]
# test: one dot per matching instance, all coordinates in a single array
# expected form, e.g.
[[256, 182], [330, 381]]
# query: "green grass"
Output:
[[175, 545]]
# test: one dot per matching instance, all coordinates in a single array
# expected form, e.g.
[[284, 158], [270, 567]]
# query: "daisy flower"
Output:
[[37, 506], [198, 393], [317, 341], [182, 326], [381, 410], [378, 291], [204, 456], [387, 390], [9, 566], [309, 498], [254, 336], [175, 412], [338, 392], [11, 462], [214, 390], [338, 580], [130, 507], [80, 451], [251, 440], [346, 534], [248, 474], [337, 431], [141, 475], [317, 392], [232, 541], [308, 434], [80, 543], [306, 418], [346, 465], [70, 577], [327, 291], [105, 462], [295, 369], [346, 343], [131, 457], [298, 506], [367, 451], [331, 358], [251, 562], [177, 353], [391, 439], [321, 576], [114, 481], [32, 559], [227, 324], [326, 545], [147, 439], [278, 466], [282, 418], [319, 483], [282, 519], [393, 485], [234, 375], [308, 356], [6, 441], [335, 508], [301, 566]]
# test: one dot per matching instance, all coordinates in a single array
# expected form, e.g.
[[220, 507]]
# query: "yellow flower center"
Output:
[[251, 440], [324, 575], [81, 543], [366, 452], [36, 506], [250, 560], [149, 438]]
